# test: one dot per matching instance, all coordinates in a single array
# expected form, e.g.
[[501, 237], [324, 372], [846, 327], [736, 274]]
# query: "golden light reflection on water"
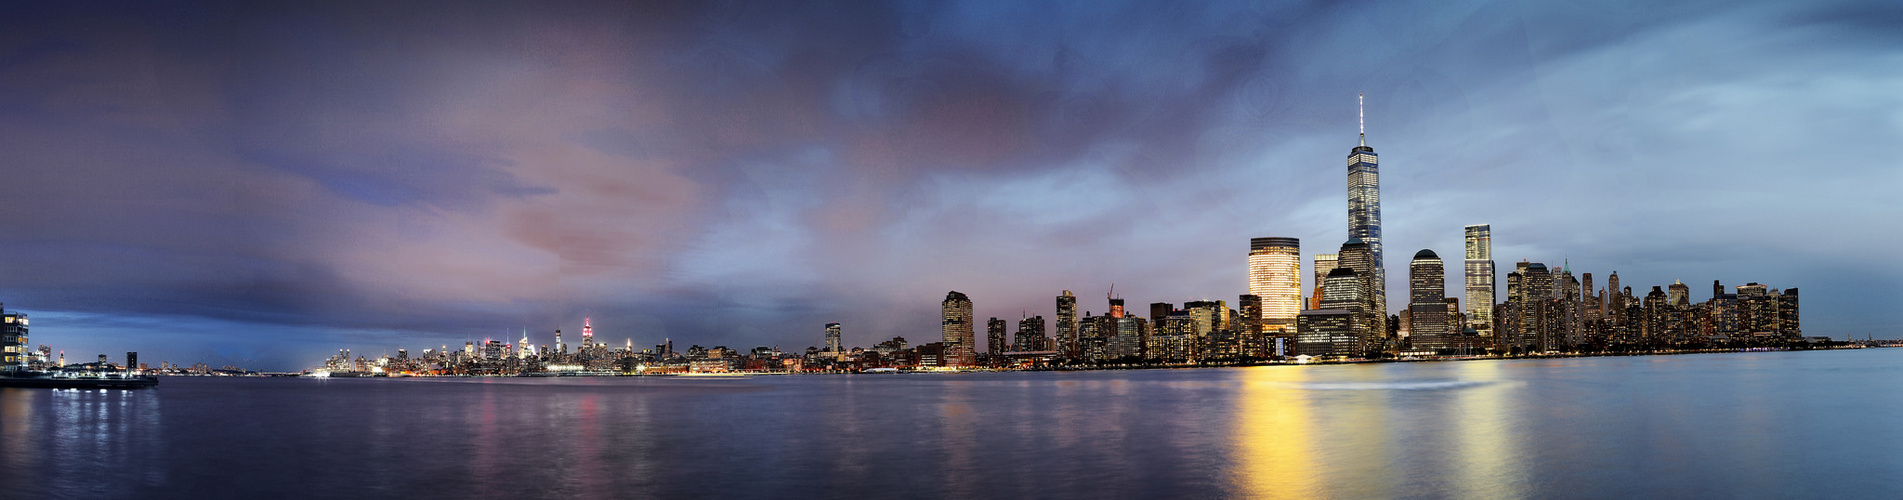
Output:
[[1274, 447], [1355, 432], [1486, 459], [16, 418]]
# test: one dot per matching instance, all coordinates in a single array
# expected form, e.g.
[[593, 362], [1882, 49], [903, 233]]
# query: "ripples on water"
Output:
[[1803, 424]]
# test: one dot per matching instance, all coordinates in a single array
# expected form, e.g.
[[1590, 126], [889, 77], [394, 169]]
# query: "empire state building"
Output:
[[1364, 210]]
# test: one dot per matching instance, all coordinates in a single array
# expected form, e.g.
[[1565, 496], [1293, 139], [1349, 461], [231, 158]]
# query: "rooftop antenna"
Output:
[[1361, 116]]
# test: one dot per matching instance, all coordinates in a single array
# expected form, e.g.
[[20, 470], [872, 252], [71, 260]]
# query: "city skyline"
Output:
[[221, 184]]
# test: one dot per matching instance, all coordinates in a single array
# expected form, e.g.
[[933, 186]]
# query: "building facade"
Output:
[[832, 338], [995, 344], [1275, 276], [1481, 294], [1067, 325], [1427, 301], [13, 340], [1324, 262], [956, 328]]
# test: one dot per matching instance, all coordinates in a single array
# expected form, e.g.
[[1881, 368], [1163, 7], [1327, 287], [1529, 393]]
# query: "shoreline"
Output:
[[1066, 368]]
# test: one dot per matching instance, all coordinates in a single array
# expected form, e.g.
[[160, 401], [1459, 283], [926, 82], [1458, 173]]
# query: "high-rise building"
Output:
[[1787, 314], [1481, 294], [1357, 255], [13, 340], [956, 327], [1614, 298], [1678, 294], [1364, 216], [1655, 316], [1589, 302], [1532, 310], [1344, 289], [994, 337], [1254, 342], [832, 338], [1275, 276], [1427, 301], [1030, 335], [1757, 310], [1324, 262], [1067, 325], [587, 334]]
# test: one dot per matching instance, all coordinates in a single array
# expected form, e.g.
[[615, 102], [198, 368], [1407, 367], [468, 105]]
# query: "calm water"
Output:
[[1777, 425]]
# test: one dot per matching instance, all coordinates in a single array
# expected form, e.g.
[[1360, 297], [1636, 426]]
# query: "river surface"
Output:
[[1748, 425]]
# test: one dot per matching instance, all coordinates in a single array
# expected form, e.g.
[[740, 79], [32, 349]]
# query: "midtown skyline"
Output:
[[222, 184]]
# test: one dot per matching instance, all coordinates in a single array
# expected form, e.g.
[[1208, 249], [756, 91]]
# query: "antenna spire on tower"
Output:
[[1361, 117]]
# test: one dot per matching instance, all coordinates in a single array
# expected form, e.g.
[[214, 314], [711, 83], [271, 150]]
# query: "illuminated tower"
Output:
[[1364, 214], [956, 328], [587, 334], [1275, 276], [1067, 325], [1427, 301], [832, 338], [1480, 288], [527, 350]]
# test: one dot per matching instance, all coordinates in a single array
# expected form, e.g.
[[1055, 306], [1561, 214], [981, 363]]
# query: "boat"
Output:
[[76, 379]]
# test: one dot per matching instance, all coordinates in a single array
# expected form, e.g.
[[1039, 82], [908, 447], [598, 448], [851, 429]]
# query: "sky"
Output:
[[263, 184]]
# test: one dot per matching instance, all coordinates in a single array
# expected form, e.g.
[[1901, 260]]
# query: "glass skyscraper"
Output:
[[1364, 215], [1480, 289], [1275, 276]]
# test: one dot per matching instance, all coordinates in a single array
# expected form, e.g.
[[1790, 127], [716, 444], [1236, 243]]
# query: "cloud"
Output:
[[738, 174]]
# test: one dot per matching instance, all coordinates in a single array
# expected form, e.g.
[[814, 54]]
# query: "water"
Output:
[[1768, 425]]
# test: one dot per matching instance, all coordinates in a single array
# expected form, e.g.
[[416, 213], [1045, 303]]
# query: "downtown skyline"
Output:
[[743, 177]]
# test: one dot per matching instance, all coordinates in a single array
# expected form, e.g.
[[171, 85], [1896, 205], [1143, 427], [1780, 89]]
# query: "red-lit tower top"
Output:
[[587, 331]]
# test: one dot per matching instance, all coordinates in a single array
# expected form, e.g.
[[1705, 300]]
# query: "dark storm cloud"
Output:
[[732, 173]]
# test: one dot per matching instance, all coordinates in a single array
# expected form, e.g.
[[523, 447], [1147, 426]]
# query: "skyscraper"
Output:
[[1357, 255], [1324, 262], [994, 337], [1030, 336], [1364, 215], [1532, 307], [587, 333], [1427, 301], [1254, 343], [832, 338], [1480, 289], [960, 340], [1067, 325], [524, 353], [1275, 276], [1337, 328]]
